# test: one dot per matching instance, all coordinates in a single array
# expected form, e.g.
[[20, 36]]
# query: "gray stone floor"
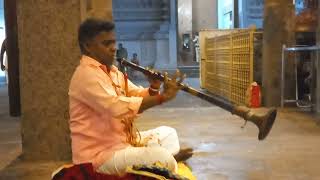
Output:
[[223, 150], [10, 140]]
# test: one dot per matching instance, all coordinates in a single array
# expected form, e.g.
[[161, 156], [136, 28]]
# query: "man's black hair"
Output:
[[91, 28]]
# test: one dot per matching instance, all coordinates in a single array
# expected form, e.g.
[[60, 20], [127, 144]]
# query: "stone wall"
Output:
[[251, 13], [148, 28], [204, 15]]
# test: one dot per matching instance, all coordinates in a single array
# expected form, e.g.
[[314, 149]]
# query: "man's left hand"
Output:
[[154, 83]]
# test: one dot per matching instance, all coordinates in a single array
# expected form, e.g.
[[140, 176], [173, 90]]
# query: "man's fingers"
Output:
[[176, 79], [165, 74], [181, 78], [176, 75]]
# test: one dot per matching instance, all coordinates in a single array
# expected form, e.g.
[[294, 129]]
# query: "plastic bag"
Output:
[[253, 95]]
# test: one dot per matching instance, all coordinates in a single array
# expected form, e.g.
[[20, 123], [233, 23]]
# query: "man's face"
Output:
[[103, 48]]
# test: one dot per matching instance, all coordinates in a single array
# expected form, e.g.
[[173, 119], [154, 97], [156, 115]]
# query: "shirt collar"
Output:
[[86, 60]]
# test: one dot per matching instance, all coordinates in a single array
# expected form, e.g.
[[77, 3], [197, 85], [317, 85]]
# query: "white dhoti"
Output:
[[162, 144]]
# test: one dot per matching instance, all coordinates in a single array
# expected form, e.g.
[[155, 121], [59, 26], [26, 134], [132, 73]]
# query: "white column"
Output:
[[173, 46]]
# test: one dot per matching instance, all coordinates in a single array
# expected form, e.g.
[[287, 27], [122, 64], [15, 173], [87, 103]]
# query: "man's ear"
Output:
[[86, 46]]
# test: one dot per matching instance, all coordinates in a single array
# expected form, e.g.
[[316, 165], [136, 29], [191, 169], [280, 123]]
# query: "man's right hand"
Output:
[[170, 89], [3, 68], [171, 86]]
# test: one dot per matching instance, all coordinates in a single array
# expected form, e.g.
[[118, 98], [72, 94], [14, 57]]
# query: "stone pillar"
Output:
[[166, 39], [96, 8], [278, 30], [235, 18], [185, 56], [317, 100], [12, 52], [173, 36], [49, 54]]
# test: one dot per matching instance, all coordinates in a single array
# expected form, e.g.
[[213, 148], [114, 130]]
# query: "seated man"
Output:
[[104, 105]]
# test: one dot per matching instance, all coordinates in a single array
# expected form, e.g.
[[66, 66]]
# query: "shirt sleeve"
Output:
[[134, 90], [88, 88], [137, 91]]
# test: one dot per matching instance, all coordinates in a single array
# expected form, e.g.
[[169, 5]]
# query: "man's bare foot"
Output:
[[184, 154]]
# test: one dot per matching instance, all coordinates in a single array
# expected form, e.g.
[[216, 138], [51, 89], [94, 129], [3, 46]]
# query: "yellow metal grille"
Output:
[[228, 63]]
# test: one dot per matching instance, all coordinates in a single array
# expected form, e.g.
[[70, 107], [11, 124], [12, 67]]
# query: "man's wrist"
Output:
[[154, 89], [160, 98]]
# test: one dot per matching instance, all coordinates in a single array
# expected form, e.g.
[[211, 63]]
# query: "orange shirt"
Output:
[[97, 107]]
